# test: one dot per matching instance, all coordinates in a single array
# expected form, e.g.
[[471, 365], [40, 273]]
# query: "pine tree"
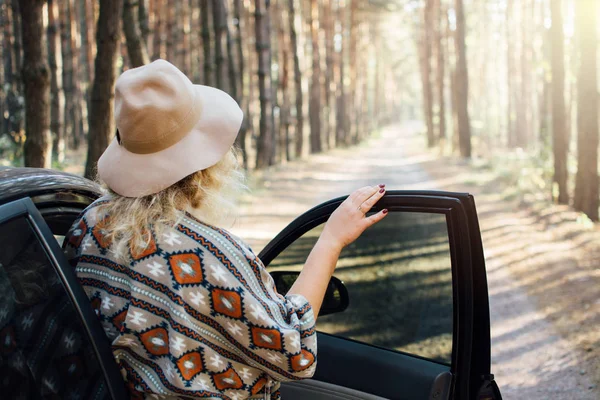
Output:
[[36, 79], [102, 126]]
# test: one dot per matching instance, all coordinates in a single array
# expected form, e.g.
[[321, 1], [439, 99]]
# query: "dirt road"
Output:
[[541, 263]]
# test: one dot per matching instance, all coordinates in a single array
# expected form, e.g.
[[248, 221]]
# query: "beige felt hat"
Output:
[[167, 129]]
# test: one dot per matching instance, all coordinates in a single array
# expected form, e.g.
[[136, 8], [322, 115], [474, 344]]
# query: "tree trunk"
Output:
[[299, 131], [586, 182], [160, 15], [83, 14], [208, 61], [352, 98], [172, 38], [233, 78], [143, 23], [560, 146], [314, 106], [3, 64], [220, 29], [102, 125], [80, 103], [329, 94], [284, 77], [462, 83], [90, 48], [440, 72], [510, 73], [86, 58], [195, 42], [136, 48], [36, 79], [341, 129], [524, 108], [17, 43], [242, 97], [264, 145], [57, 99], [185, 21], [14, 96], [70, 75], [426, 44]]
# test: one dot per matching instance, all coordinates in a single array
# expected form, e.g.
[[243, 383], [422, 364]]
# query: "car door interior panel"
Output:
[[317, 390], [381, 372]]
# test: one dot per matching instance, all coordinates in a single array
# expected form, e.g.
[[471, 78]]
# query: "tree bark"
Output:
[[462, 83], [15, 107], [85, 15], [57, 99], [352, 98], [341, 129], [242, 97], [425, 47], [186, 53], [86, 57], [233, 79], [3, 64], [36, 79], [220, 29], [195, 43], [136, 48], [264, 145], [440, 72], [143, 22], [102, 125], [314, 106], [71, 82], [560, 146], [160, 15], [329, 94], [586, 197], [510, 73], [284, 77], [299, 131], [524, 108], [206, 44], [172, 38]]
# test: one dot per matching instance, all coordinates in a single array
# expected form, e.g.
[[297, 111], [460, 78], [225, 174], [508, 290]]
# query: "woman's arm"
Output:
[[344, 226]]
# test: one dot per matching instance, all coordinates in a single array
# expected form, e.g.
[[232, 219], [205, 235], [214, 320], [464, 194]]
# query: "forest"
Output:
[[485, 77]]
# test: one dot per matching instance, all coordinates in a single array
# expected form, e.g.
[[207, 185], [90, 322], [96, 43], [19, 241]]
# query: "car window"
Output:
[[44, 349], [399, 280]]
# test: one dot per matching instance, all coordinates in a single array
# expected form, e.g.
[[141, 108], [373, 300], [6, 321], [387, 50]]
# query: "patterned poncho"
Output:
[[194, 314]]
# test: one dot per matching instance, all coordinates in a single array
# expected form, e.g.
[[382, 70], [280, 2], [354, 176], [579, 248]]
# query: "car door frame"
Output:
[[25, 208], [471, 344]]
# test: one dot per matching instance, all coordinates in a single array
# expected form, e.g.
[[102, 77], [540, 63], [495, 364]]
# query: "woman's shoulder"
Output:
[[217, 235]]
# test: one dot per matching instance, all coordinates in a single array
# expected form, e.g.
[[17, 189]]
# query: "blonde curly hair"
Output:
[[209, 195]]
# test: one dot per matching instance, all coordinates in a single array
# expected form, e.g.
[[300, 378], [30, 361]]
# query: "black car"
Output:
[[410, 321]]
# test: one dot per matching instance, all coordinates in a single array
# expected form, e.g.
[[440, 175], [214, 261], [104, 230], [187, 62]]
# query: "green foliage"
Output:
[[11, 151]]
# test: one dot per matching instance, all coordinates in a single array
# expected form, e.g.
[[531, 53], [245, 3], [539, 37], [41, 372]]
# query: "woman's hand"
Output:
[[348, 221], [345, 224]]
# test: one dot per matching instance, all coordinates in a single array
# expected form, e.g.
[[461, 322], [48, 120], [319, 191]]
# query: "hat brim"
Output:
[[137, 175]]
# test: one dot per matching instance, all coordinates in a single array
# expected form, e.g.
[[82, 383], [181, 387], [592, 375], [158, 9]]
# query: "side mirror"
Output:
[[336, 297]]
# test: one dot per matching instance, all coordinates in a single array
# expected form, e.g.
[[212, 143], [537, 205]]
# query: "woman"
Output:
[[190, 311]]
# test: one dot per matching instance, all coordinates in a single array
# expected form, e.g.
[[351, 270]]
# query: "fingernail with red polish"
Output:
[[381, 190], [382, 185], [385, 211]]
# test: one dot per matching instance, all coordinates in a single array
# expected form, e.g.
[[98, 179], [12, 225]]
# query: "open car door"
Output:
[[51, 343], [417, 326]]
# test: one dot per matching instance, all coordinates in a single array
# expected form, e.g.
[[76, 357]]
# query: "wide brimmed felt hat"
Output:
[[167, 129]]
